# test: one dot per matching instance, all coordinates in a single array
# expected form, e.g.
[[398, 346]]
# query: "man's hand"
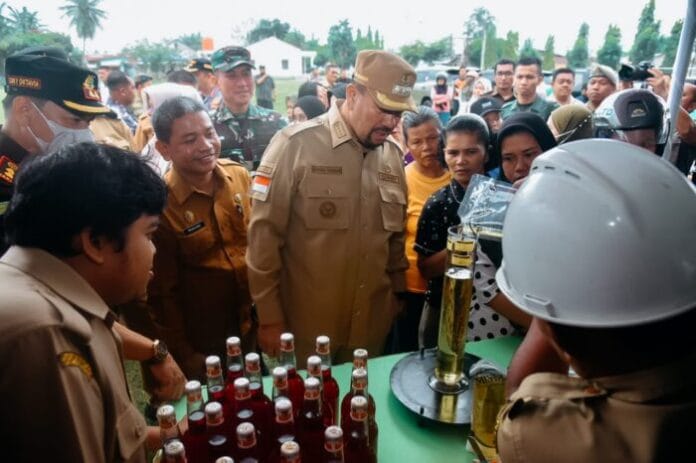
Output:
[[169, 379], [269, 338], [659, 82]]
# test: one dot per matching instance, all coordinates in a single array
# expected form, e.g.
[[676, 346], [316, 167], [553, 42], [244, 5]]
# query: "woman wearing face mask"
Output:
[[522, 137], [466, 139], [425, 175]]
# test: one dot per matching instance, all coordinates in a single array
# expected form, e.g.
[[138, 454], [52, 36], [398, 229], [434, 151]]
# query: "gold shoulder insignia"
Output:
[[72, 359]]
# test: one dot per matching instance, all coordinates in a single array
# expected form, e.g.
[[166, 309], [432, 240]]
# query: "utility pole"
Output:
[[483, 50]]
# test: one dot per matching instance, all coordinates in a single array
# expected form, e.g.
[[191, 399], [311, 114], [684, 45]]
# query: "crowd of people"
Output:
[[332, 220]]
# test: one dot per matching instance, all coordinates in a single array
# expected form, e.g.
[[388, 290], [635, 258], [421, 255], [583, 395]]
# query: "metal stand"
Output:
[[413, 382]]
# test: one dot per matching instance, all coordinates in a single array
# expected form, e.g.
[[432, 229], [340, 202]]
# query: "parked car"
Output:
[[425, 81]]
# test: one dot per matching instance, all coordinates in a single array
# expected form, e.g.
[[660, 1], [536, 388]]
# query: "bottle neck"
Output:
[[281, 390], [235, 361], [194, 403], [312, 402], [215, 381], [288, 360]]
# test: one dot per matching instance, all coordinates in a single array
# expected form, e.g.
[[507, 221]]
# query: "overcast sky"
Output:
[[400, 22]]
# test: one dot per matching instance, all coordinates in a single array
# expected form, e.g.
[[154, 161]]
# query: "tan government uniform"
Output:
[[326, 236], [63, 386], [112, 131], [200, 293], [647, 416]]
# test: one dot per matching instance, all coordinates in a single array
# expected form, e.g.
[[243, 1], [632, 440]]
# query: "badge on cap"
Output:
[[8, 169], [90, 90]]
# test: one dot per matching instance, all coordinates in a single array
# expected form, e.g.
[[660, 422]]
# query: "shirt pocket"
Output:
[[197, 243], [131, 432], [393, 206], [326, 206]]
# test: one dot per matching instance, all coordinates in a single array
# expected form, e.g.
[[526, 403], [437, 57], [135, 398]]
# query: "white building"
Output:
[[280, 58]]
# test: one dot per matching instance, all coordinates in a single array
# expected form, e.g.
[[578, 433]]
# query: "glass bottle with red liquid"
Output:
[[260, 403], [288, 360], [333, 445], [281, 388], [331, 392], [359, 359], [358, 448], [247, 448], [235, 365], [195, 439], [358, 387], [284, 427], [168, 430], [290, 452], [314, 371], [216, 387], [218, 443], [174, 452], [311, 423]]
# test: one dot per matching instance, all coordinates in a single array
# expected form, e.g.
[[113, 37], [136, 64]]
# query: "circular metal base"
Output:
[[413, 382]]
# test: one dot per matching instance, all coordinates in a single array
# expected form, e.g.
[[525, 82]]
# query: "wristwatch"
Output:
[[159, 352]]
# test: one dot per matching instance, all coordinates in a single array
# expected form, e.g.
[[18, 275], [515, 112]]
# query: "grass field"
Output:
[[285, 87]]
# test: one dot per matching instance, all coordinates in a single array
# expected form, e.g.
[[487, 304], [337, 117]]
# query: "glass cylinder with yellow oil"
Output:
[[457, 291]]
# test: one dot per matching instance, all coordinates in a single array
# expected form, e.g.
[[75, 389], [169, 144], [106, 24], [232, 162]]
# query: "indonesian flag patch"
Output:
[[260, 187]]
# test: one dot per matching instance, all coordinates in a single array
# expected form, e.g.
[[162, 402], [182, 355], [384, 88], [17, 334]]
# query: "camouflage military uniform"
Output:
[[244, 137]]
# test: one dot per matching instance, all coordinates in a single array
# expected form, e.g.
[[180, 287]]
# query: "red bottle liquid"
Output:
[[247, 450], [333, 445], [260, 403], [283, 429], [195, 439], [314, 371], [174, 452], [357, 447], [216, 431], [235, 366], [331, 392], [311, 425], [166, 418], [295, 382], [290, 452], [216, 387], [359, 388], [281, 388]]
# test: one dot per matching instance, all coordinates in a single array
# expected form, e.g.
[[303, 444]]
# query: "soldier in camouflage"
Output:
[[244, 129]]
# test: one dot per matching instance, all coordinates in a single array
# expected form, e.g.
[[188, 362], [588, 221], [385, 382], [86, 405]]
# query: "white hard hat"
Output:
[[601, 234]]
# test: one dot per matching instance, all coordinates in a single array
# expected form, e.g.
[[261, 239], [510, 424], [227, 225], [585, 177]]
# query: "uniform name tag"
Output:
[[389, 178], [194, 228], [327, 170]]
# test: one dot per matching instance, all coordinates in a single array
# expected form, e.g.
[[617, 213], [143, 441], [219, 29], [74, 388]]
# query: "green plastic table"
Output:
[[403, 436]]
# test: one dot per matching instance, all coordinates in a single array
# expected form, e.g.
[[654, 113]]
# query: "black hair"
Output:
[[504, 61], [471, 123], [172, 109], [307, 89], [530, 61], [82, 186], [311, 106], [181, 77], [530, 123], [142, 79], [116, 79], [425, 114], [561, 71]]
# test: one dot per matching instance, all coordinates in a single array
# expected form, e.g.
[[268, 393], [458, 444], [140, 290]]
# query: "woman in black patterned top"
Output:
[[465, 154]]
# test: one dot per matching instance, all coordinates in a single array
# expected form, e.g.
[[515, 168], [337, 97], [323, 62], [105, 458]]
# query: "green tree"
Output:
[[528, 50], [480, 23], [610, 53], [193, 41], [579, 55], [419, 51], [16, 41], [24, 20], [671, 42], [268, 28], [413, 52], [647, 39], [157, 58], [295, 37], [510, 46], [341, 44], [548, 60], [85, 16], [5, 23]]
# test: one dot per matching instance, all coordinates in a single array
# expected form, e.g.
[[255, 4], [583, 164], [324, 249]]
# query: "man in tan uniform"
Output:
[[200, 293], [579, 256], [326, 236], [76, 248]]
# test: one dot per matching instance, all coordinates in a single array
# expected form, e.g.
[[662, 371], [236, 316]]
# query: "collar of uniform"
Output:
[[58, 276], [654, 383], [181, 189], [224, 113], [340, 132], [10, 148]]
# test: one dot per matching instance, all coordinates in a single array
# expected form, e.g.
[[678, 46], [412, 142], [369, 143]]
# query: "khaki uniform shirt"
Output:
[[200, 295], [326, 237], [63, 386], [647, 416], [143, 133], [113, 132]]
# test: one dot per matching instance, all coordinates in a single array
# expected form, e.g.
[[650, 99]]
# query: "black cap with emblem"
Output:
[[44, 72]]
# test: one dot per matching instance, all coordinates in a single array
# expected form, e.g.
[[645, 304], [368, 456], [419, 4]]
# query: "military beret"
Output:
[[48, 75]]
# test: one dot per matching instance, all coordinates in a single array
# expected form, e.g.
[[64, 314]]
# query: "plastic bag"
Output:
[[484, 206]]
